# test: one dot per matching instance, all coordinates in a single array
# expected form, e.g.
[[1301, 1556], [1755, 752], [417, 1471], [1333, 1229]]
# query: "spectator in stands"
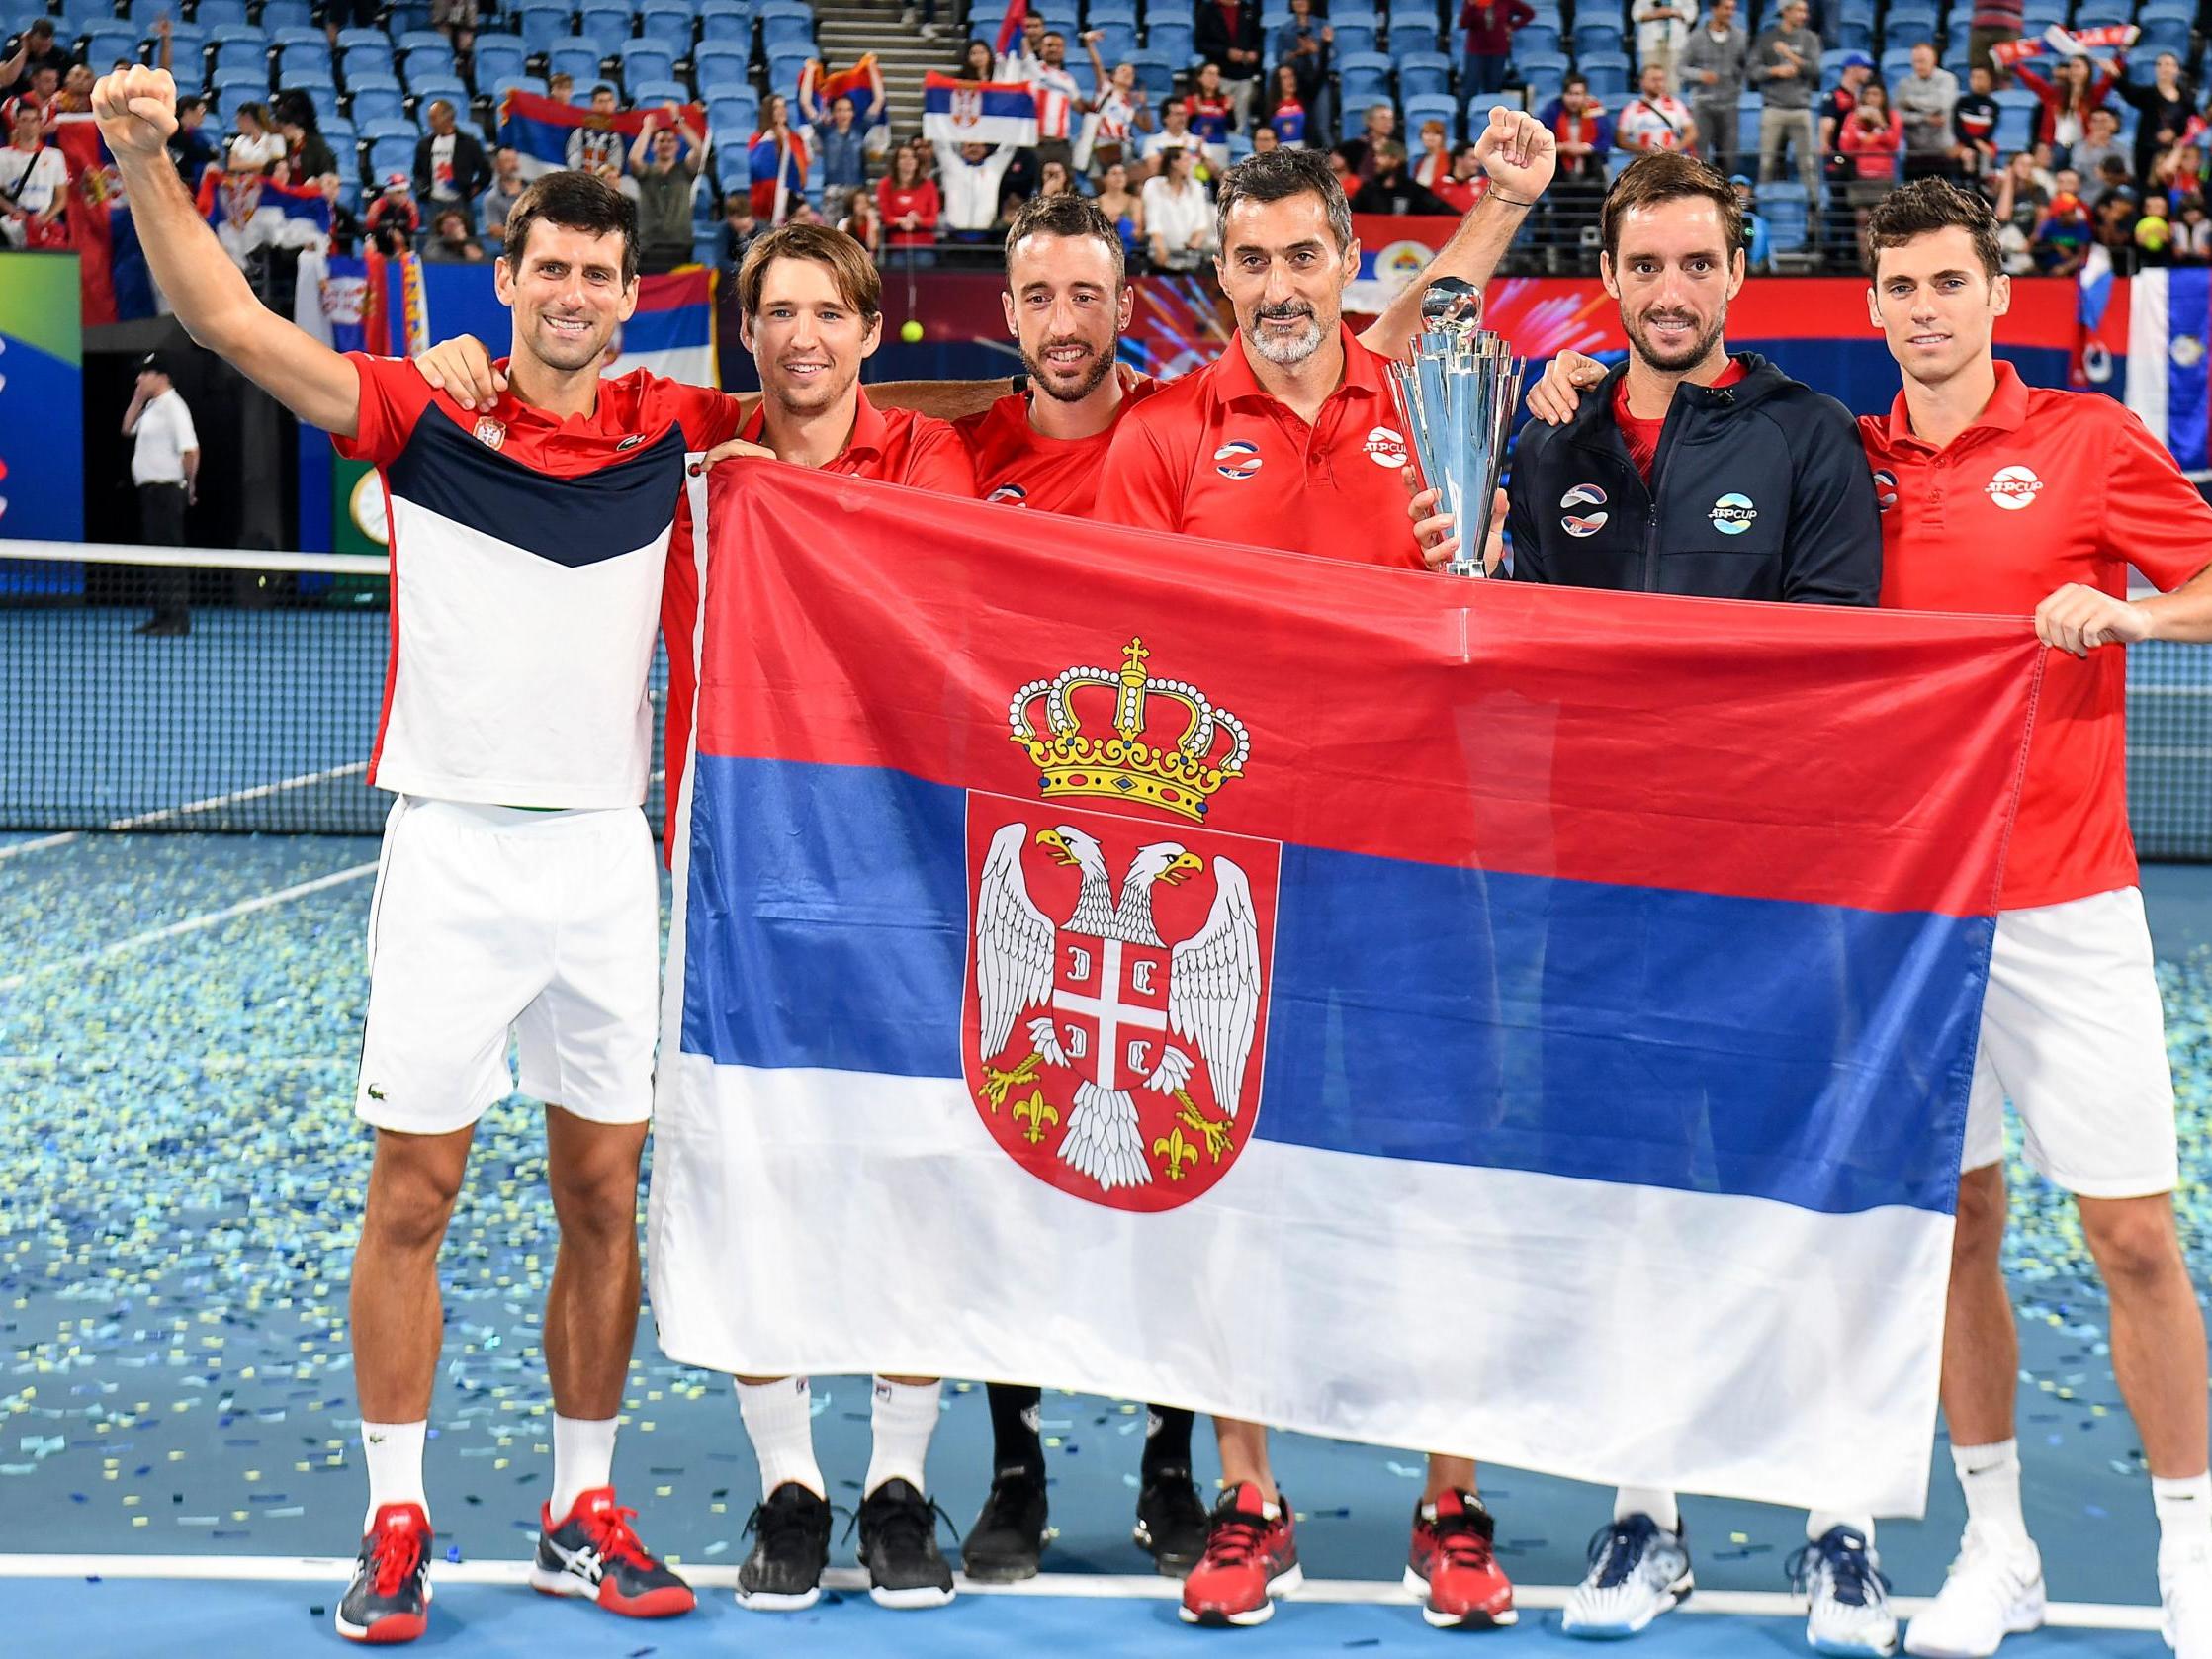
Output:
[[1973, 124], [449, 165], [842, 148], [593, 147], [74, 98], [350, 14], [970, 179], [256, 146], [456, 20], [1211, 116], [803, 212], [1994, 22], [1358, 154], [1287, 110], [2079, 87], [1435, 159], [1117, 109], [1226, 34], [2118, 207], [1654, 118], [1059, 97], [1836, 110], [1582, 134], [1489, 25], [2061, 240], [1263, 139], [665, 181], [2165, 107], [1174, 133], [860, 221], [1123, 207], [307, 154], [392, 219], [2193, 235], [1303, 43], [2100, 144], [1785, 68], [34, 50], [1393, 190], [1712, 73], [345, 228], [976, 61], [562, 88], [1178, 226], [1662, 29], [739, 230], [34, 183], [1925, 99], [449, 241], [1463, 185], [1027, 55], [910, 205], [190, 147], [1872, 141], [165, 467], [2018, 204], [776, 157], [507, 183], [45, 89], [1759, 241], [1054, 179]]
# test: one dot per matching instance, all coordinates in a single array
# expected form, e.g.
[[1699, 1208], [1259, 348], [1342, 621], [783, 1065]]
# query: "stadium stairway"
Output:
[[848, 28]]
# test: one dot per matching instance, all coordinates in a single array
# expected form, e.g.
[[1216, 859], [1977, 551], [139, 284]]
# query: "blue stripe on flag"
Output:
[[669, 329], [1815, 1056], [2188, 315]]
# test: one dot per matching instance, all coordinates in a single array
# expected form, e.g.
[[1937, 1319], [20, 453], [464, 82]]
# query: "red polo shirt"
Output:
[[1216, 455], [894, 446], [2045, 488], [1022, 467]]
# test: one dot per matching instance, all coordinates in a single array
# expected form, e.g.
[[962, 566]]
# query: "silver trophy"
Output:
[[1457, 395]]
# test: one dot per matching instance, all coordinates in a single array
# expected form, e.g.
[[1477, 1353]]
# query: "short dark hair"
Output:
[[189, 101], [1668, 176], [41, 26], [860, 284], [1066, 214], [1277, 175], [574, 201], [1926, 206], [1582, 81]]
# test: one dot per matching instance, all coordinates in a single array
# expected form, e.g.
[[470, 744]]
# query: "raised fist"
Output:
[[137, 109]]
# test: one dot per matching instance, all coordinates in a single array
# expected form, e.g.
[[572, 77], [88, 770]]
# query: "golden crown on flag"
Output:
[[1177, 770]]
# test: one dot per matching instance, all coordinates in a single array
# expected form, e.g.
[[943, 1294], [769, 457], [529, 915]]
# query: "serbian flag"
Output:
[[95, 191], [538, 128], [1393, 250], [958, 112], [776, 166], [855, 83], [1010, 27], [1356, 999], [2169, 322], [671, 332]]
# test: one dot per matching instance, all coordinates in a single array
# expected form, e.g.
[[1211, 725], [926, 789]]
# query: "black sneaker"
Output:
[[1010, 1533], [389, 1599], [792, 1546], [1171, 1520], [592, 1553], [899, 1547]]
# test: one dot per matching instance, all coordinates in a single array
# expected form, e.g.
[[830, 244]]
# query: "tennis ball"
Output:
[[2150, 235], [909, 332]]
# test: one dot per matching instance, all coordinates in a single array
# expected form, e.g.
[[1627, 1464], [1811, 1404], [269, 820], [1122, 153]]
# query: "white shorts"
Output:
[[487, 918], [2071, 1031]]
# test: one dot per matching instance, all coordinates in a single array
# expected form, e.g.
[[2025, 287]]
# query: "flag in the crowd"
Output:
[[959, 112], [1338, 997], [855, 83], [776, 167], [95, 198], [1393, 250], [2170, 323], [1010, 27], [538, 128], [671, 332], [2064, 42]]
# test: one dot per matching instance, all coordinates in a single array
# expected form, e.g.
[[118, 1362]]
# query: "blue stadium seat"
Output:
[[2016, 117], [238, 55], [2101, 14], [1854, 35], [717, 63], [1425, 75], [656, 93], [323, 96], [1606, 71], [373, 39], [728, 22], [140, 11], [285, 14], [212, 14], [1421, 107], [1172, 40], [432, 88], [1543, 71], [515, 83], [1100, 13], [1897, 60], [1116, 40], [540, 25], [390, 155], [108, 43], [785, 27], [498, 57], [784, 69], [228, 92], [577, 58], [670, 22], [1748, 104], [425, 62], [732, 121], [374, 98], [646, 61], [1356, 32], [1534, 37], [297, 59], [1155, 71], [1413, 30], [1364, 79], [607, 24], [2164, 34], [1597, 36], [386, 126], [1788, 215], [2041, 14], [1918, 21]]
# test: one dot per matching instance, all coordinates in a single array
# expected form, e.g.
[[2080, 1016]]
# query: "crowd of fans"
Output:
[[2114, 155]]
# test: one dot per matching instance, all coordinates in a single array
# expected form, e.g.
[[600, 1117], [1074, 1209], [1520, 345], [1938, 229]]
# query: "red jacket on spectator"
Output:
[[2053, 99], [895, 201], [1491, 25], [1874, 152]]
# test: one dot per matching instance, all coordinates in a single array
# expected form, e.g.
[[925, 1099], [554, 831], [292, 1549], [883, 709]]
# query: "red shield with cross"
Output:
[[1115, 1016]]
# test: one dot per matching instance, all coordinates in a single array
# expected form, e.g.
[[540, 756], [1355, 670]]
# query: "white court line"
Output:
[[161, 815], [1148, 1586], [39, 845], [191, 924]]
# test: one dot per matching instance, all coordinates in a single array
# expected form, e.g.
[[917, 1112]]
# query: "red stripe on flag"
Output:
[[1017, 10]]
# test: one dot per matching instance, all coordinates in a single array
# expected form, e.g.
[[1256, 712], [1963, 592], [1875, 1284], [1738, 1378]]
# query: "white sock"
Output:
[[1660, 1506], [1818, 1524], [582, 1459], [904, 1418], [2184, 1509], [1990, 1476], [779, 1419], [394, 1454]]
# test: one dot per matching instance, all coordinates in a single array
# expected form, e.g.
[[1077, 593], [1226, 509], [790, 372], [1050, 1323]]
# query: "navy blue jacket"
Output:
[[1760, 491]]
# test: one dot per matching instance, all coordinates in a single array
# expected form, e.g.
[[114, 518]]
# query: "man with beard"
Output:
[[1688, 470], [517, 870]]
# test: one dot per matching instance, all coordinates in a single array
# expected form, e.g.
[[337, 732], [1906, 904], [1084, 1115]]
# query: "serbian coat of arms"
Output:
[[1116, 1016]]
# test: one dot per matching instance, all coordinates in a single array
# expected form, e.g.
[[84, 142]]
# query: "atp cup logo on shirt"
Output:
[[1885, 489], [1574, 521], [1385, 448], [1732, 514], [1114, 1021], [2014, 488], [1237, 459], [1011, 494]]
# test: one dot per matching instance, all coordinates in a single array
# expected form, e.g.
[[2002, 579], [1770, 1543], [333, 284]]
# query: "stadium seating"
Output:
[[1421, 107], [109, 42], [578, 59], [1607, 72], [716, 63], [670, 22], [1155, 72], [212, 14], [1176, 42], [1540, 38], [1413, 30], [1356, 32], [657, 92], [498, 57], [605, 23], [374, 98], [540, 25], [1424, 75], [728, 22], [1543, 72], [1596, 36], [1364, 79], [2017, 117]]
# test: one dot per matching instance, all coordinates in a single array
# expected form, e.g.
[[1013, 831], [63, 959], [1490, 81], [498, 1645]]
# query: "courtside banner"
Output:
[[1531, 1023]]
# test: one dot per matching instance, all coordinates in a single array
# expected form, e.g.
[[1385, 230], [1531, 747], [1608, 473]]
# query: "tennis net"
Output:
[[258, 716]]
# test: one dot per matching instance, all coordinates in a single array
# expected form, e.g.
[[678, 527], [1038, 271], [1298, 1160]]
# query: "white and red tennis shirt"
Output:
[[527, 556]]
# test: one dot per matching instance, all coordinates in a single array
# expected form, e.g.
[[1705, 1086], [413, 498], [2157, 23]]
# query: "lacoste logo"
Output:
[[631, 442], [374, 1094]]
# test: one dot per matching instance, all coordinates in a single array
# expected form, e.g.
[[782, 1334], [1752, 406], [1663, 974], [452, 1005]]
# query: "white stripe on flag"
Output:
[[2148, 335], [1489, 1312]]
